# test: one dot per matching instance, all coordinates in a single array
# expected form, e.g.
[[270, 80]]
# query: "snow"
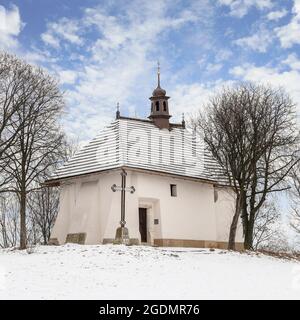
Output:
[[139, 272]]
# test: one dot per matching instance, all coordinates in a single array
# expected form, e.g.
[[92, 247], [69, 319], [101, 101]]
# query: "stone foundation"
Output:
[[80, 239], [195, 244]]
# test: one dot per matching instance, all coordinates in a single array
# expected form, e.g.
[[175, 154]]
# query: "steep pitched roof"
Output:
[[139, 144]]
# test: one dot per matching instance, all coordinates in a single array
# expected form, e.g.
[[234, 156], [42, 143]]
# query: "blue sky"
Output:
[[104, 52]]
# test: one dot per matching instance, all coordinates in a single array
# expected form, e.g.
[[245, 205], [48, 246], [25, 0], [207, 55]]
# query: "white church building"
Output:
[[144, 181]]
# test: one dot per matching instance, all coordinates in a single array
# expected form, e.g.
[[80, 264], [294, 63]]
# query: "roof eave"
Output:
[[57, 181]]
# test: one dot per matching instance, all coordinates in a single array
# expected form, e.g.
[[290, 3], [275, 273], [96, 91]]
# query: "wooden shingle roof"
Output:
[[139, 144]]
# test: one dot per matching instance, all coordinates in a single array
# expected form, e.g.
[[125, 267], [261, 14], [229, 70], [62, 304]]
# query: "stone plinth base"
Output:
[[132, 241], [122, 237]]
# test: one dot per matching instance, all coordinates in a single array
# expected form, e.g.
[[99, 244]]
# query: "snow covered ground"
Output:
[[119, 272]]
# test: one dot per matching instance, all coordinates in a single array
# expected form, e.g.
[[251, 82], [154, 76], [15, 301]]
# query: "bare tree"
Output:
[[43, 203], [266, 220], [13, 77], [295, 197], [278, 242], [250, 130], [38, 142], [43, 208], [9, 221]]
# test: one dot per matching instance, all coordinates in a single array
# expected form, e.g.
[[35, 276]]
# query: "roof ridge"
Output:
[[172, 124]]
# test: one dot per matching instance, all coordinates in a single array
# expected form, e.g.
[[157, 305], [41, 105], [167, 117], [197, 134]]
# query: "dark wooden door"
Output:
[[143, 224]]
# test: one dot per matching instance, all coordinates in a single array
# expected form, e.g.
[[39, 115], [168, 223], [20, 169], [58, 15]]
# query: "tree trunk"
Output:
[[248, 241], [23, 235], [234, 223], [4, 233], [45, 237]]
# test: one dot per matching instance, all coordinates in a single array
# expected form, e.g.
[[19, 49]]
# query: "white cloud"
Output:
[[63, 30], [10, 27], [213, 67], [290, 33], [50, 39], [121, 61], [202, 60], [67, 76], [259, 41], [239, 8], [191, 98], [276, 15], [144, 23], [292, 61], [274, 76], [223, 55], [188, 99]]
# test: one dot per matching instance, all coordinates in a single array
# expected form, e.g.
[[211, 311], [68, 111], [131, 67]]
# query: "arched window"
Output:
[[157, 105], [165, 106], [152, 109]]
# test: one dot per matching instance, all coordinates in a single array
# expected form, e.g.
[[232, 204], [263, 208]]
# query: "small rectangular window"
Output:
[[173, 188]]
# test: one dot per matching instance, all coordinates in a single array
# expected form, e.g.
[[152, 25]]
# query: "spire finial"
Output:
[[183, 120], [118, 111], [158, 74], [159, 105]]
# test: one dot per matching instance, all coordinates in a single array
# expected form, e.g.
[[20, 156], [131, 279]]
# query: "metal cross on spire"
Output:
[[158, 74], [118, 111]]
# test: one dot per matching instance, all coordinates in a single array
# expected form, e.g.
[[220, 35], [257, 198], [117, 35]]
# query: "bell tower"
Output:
[[159, 105]]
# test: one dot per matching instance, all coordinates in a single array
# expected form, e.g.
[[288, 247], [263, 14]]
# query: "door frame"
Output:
[[153, 211], [146, 225]]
